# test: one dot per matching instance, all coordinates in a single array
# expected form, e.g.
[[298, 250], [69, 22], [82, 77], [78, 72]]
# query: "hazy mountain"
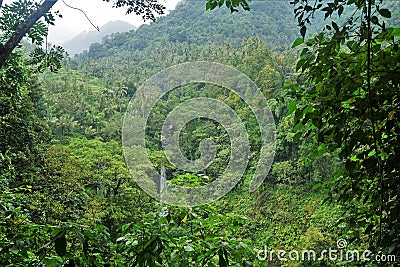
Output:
[[83, 40]]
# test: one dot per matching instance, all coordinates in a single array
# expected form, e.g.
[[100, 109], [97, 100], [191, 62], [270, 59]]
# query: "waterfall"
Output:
[[163, 179]]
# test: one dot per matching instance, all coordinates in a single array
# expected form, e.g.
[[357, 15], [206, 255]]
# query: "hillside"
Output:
[[83, 40], [191, 24]]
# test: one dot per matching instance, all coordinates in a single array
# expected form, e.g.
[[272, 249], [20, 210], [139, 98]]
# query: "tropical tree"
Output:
[[23, 132], [25, 18], [351, 91], [348, 103]]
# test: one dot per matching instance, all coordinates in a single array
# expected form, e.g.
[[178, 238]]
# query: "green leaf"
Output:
[[340, 11], [316, 186], [291, 107], [303, 31], [308, 109], [385, 13], [188, 248], [14, 250], [296, 137], [300, 64], [298, 42], [298, 127], [335, 26], [211, 4], [61, 246], [372, 153], [395, 32], [375, 20]]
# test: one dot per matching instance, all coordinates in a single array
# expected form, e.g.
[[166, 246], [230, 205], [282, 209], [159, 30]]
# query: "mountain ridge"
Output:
[[190, 23], [82, 41]]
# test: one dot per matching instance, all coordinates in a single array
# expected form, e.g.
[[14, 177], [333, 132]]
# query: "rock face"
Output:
[[83, 40]]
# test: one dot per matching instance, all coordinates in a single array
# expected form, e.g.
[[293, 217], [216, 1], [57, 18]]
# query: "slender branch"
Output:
[[96, 27], [1, 3], [23, 29]]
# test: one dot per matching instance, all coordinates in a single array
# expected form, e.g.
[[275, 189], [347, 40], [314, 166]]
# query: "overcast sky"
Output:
[[99, 12]]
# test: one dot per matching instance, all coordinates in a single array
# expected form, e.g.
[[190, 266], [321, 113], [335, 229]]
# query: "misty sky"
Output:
[[99, 12]]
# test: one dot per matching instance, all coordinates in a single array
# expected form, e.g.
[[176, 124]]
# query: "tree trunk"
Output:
[[23, 29]]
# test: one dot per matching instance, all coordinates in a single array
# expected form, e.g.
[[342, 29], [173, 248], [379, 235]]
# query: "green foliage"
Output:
[[231, 4], [189, 180], [43, 60], [22, 129], [182, 237], [351, 107], [80, 205], [291, 218], [101, 80], [13, 15], [191, 25], [25, 243], [148, 9]]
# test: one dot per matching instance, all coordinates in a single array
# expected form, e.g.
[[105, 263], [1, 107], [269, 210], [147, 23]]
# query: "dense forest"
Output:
[[330, 75]]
